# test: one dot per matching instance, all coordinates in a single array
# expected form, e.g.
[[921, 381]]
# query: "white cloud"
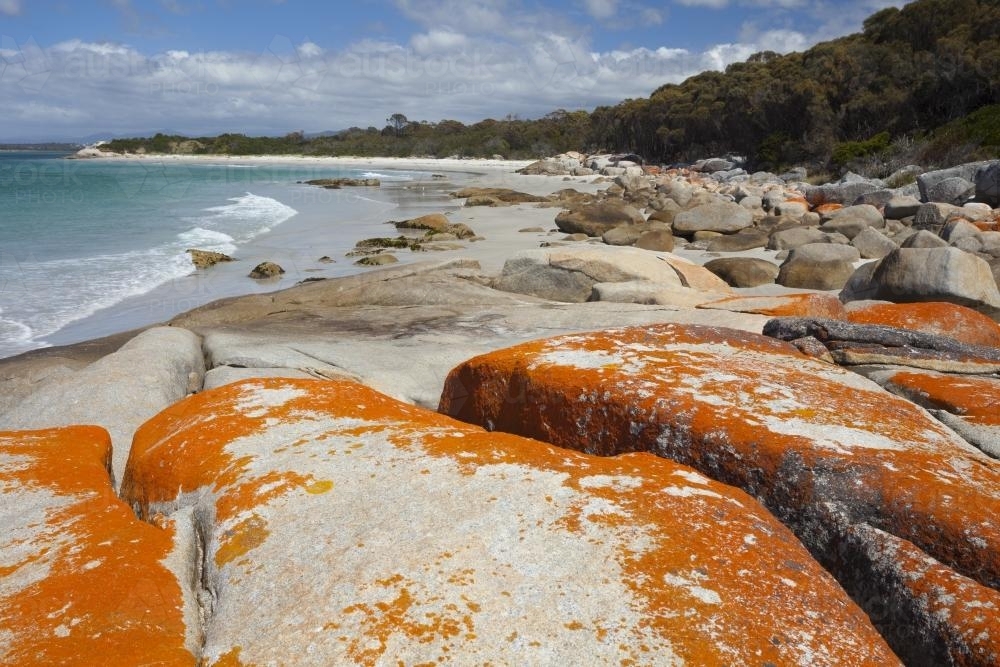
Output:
[[309, 49], [438, 41], [601, 9], [10, 7]]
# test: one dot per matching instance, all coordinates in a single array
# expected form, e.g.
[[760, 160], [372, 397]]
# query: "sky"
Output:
[[70, 69]]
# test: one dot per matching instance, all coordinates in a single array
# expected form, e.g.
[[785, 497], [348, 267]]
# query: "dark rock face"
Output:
[[856, 344]]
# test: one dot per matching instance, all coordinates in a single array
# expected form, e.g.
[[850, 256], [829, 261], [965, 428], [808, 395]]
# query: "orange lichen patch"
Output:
[[244, 536], [661, 561], [976, 399], [94, 588], [729, 404], [828, 208], [945, 319], [787, 305], [230, 658]]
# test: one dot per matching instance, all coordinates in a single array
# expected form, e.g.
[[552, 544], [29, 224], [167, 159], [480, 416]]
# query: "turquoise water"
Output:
[[79, 236]]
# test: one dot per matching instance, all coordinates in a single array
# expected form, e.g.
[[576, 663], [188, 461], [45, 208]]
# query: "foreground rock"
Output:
[[82, 581], [828, 452], [120, 391], [341, 525]]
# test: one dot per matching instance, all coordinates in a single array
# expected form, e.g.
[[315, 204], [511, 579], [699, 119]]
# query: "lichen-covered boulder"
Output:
[[944, 319], [824, 449], [342, 527], [82, 580]]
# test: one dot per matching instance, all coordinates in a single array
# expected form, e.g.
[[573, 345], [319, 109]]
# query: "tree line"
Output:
[[920, 84]]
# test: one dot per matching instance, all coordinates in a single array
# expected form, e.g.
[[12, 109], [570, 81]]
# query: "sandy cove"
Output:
[[246, 430]]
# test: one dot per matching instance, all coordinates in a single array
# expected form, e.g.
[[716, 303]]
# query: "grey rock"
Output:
[[873, 244], [928, 180], [713, 165], [629, 234], [929, 274], [953, 190], [746, 239], [968, 244], [922, 238], [898, 208], [751, 202], [846, 192], [595, 219], [794, 175], [932, 216], [958, 228], [988, 184], [852, 220], [569, 274], [657, 240], [878, 198], [744, 271], [722, 217], [795, 237], [820, 266]]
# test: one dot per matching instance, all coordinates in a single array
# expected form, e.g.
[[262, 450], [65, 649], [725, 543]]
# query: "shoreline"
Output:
[[452, 165]]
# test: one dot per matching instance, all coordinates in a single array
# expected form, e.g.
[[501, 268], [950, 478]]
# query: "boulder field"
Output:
[[625, 444]]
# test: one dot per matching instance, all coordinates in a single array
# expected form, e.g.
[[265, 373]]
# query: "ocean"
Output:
[[81, 240]]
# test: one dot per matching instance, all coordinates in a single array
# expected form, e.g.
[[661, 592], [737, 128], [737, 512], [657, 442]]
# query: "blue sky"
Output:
[[70, 69]]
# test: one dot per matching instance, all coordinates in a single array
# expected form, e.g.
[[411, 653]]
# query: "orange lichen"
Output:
[[976, 399], [230, 658], [945, 319], [106, 595], [828, 208], [244, 536]]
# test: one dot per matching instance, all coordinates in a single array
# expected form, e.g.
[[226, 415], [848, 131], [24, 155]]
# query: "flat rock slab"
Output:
[[342, 527], [944, 319], [863, 344], [823, 448], [119, 391], [82, 580], [785, 305]]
